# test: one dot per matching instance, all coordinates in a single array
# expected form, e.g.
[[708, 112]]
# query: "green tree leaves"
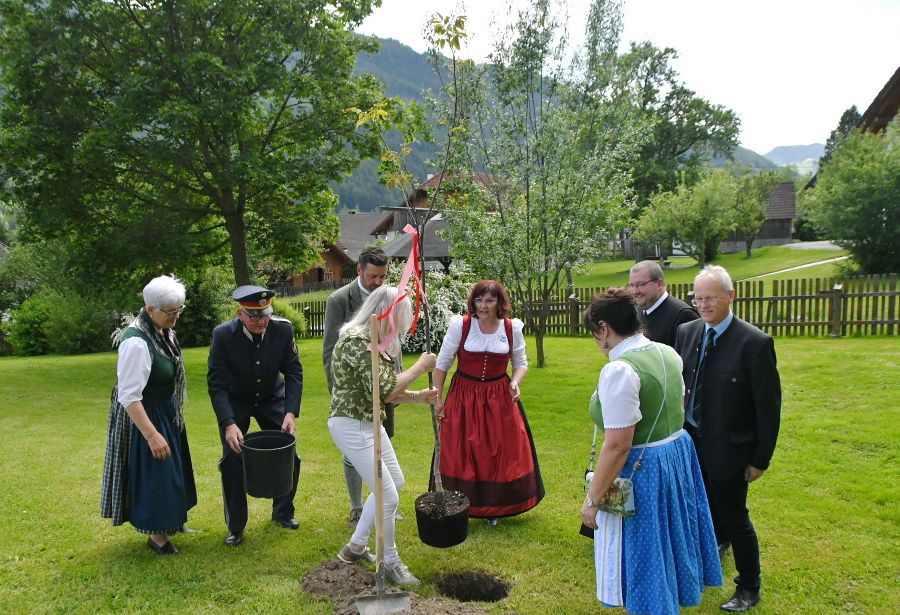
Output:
[[856, 199], [177, 133]]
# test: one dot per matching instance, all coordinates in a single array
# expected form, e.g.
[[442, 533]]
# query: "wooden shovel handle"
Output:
[[376, 427]]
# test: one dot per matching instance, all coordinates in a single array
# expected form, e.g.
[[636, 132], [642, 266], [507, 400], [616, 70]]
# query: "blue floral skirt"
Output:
[[668, 549]]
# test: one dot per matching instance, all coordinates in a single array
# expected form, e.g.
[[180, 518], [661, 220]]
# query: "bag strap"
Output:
[[593, 450]]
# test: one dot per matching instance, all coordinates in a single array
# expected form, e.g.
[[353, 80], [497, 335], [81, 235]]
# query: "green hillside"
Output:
[[407, 74]]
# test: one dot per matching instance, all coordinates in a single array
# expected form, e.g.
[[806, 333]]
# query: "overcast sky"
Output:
[[788, 68]]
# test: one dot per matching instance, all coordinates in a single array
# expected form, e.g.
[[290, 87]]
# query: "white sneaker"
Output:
[[399, 574]]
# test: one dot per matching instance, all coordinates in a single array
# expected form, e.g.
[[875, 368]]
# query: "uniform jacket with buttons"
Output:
[[740, 407], [246, 379]]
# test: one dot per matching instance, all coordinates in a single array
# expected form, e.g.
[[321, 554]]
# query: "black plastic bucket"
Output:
[[268, 463], [442, 518]]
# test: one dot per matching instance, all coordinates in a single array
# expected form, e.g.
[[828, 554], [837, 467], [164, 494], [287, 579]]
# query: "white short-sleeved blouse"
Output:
[[477, 341], [620, 386], [133, 369]]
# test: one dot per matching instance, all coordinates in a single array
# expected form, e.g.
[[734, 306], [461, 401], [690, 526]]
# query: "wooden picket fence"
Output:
[[864, 305]]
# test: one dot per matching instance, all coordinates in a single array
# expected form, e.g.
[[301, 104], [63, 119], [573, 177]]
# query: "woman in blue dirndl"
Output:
[[148, 479], [664, 555]]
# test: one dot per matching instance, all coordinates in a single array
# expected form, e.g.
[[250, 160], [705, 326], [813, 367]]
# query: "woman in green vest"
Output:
[[661, 553], [148, 479]]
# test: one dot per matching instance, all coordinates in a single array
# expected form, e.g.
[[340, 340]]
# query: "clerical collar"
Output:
[[658, 303]]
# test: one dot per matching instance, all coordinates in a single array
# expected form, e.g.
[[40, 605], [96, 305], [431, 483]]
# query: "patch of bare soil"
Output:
[[342, 583]]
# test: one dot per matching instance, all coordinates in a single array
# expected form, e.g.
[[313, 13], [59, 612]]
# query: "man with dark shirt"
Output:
[[660, 312]]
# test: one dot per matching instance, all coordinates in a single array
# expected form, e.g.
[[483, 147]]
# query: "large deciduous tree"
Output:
[[687, 128], [856, 199], [555, 137], [172, 132], [750, 208], [695, 218]]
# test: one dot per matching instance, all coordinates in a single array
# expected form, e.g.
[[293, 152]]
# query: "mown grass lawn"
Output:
[[764, 260], [827, 511]]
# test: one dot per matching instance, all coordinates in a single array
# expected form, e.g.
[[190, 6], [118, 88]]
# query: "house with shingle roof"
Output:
[[781, 210]]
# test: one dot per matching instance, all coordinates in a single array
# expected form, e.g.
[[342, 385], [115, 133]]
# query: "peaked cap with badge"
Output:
[[255, 299]]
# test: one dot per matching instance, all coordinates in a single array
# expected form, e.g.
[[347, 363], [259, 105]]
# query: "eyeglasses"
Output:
[[173, 313], [707, 300], [639, 285], [255, 317]]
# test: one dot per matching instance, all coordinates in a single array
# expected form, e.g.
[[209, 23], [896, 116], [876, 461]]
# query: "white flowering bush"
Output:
[[446, 297]]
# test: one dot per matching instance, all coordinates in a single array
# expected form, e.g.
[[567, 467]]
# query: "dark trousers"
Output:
[[731, 520], [232, 468]]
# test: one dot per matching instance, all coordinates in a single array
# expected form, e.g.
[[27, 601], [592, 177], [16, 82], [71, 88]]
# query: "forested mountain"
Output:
[[407, 73]]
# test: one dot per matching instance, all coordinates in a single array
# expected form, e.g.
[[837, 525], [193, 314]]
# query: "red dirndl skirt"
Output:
[[487, 451]]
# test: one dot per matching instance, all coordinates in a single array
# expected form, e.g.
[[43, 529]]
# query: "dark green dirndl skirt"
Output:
[[160, 491]]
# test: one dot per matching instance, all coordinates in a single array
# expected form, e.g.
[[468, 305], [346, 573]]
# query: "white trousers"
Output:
[[356, 440]]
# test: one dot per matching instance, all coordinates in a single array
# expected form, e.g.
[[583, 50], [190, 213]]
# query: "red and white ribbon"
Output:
[[410, 270]]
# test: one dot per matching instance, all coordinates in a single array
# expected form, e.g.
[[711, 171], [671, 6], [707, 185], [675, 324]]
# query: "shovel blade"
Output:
[[380, 604]]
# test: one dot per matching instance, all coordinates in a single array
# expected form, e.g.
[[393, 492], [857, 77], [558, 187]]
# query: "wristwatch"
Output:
[[589, 502]]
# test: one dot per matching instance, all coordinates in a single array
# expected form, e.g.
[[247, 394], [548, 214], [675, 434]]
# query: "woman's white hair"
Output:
[[164, 291], [378, 301], [718, 273]]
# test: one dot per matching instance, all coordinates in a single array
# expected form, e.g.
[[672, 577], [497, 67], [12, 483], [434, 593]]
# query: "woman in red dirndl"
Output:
[[487, 451]]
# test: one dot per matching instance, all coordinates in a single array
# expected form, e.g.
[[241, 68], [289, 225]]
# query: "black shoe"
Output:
[[166, 549], [234, 539], [723, 549], [742, 600], [290, 524]]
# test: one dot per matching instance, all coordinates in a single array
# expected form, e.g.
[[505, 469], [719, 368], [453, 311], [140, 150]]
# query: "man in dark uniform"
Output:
[[247, 358], [661, 313]]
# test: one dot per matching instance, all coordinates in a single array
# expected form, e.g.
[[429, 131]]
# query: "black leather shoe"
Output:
[[234, 539], [723, 549], [742, 600], [166, 549], [290, 524]]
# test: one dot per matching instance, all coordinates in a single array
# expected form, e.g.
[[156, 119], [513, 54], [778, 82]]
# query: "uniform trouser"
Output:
[[731, 520], [232, 468]]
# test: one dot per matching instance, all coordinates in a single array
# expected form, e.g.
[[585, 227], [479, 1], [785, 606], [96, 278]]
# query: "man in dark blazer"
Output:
[[661, 313], [341, 304], [253, 371], [732, 412]]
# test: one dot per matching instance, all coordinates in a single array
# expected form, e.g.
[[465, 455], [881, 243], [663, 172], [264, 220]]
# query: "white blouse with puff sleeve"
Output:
[[620, 387], [133, 369], [477, 341]]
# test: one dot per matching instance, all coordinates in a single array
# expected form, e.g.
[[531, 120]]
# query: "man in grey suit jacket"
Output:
[[732, 412], [371, 271], [661, 313]]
